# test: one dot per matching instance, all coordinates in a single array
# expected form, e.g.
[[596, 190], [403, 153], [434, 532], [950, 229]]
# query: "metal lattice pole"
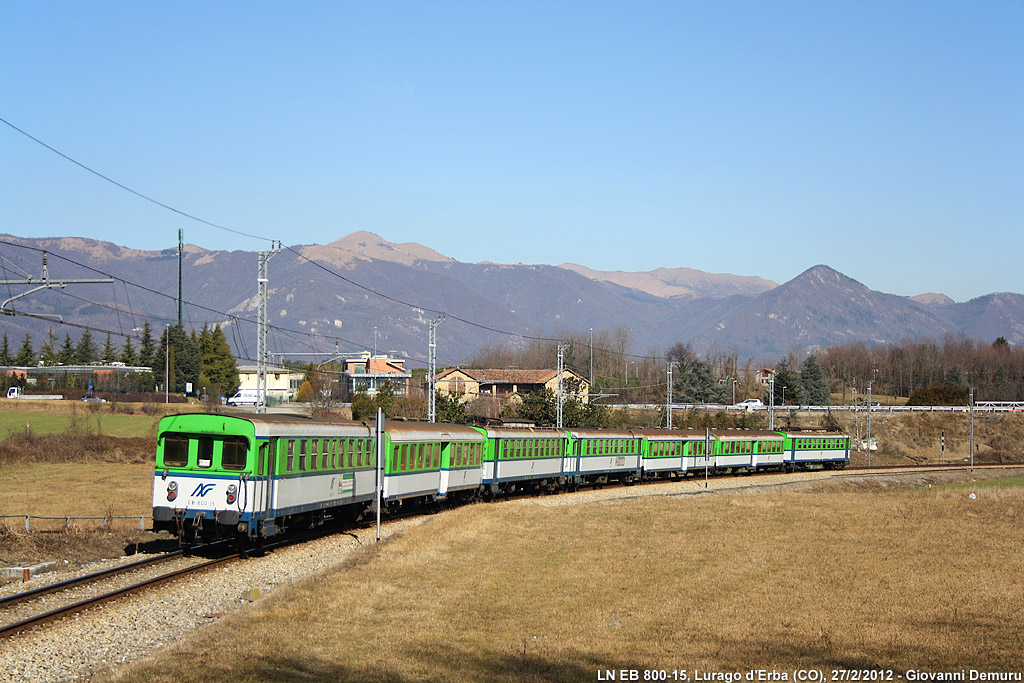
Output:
[[561, 384], [262, 283], [432, 369], [668, 397]]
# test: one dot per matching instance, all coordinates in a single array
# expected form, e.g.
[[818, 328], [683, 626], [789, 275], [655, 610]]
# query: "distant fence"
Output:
[[107, 521], [996, 407]]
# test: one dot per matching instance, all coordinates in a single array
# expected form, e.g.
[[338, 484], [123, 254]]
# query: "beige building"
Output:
[[471, 384], [282, 383]]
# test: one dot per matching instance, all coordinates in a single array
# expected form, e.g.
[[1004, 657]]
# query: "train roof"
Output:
[[285, 424], [672, 434], [523, 432], [733, 434], [816, 434], [428, 431], [603, 434]]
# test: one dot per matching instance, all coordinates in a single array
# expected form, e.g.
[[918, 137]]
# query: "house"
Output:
[[764, 376], [368, 373], [470, 384], [282, 383]]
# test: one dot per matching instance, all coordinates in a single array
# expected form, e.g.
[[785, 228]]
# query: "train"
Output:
[[253, 477]]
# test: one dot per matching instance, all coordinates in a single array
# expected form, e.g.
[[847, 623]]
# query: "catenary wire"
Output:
[[291, 249]]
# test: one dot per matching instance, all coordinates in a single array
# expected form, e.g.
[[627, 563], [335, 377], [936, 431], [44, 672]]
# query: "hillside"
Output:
[[321, 299]]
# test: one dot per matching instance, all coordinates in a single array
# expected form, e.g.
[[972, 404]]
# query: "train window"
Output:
[[334, 453], [402, 456], [175, 450], [291, 456], [261, 466], [359, 452], [314, 453], [350, 449], [303, 446], [234, 453], [205, 453], [323, 455]]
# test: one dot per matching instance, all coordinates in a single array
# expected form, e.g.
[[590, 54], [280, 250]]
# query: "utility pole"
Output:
[[432, 369], [972, 428], [181, 248], [561, 385], [771, 402], [668, 397], [591, 358], [43, 282], [868, 448], [262, 283]]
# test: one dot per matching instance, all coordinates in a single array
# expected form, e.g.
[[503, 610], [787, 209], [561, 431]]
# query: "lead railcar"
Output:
[[250, 477]]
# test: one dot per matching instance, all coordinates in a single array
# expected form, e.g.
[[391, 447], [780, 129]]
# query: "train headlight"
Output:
[[172, 490], [232, 494]]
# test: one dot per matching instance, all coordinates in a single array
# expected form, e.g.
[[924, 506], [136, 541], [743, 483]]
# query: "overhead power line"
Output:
[[299, 255]]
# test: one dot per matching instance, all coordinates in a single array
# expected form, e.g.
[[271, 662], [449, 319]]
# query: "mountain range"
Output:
[[364, 292]]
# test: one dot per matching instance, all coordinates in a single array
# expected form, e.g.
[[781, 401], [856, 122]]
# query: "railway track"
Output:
[[29, 601], [18, 605]]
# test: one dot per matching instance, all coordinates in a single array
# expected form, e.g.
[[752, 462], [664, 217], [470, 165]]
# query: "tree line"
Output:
[[202, 358]]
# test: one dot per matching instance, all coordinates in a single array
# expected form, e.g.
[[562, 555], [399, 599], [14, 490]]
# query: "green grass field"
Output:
[[1006, 483], [42, 423]]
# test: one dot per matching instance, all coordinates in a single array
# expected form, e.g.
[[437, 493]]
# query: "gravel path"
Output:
[[77, 647]]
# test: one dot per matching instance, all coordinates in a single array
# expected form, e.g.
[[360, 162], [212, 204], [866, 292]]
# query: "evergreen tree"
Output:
[[219, 371], [109, 353], [128, 352], [449, 408], [812, 382], [385, 399], [955, 377], [147, 349], [787, 385], [5, 351], [47, 352], [183, 360], [538, 406], [363, 407], [26, 356], [695, 380], [66, 355], [86, 351]]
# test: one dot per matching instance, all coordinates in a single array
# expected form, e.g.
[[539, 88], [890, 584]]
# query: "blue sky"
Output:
[[758, 138]]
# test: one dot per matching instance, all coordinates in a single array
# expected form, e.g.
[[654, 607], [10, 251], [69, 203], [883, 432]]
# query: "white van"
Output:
[[244, 397]]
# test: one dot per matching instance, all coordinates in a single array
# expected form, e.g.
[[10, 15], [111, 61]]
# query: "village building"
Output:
[[469, 384]]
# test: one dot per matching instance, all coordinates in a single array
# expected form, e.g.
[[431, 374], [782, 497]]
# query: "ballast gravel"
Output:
[[86, 645]]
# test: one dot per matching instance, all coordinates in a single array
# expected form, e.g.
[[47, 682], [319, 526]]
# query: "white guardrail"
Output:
[[983, 407]]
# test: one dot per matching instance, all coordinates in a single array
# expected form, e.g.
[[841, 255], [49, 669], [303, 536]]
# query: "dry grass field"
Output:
[[863, 576]]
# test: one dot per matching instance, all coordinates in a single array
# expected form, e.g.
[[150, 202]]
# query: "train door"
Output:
[[442, 486], [265, 479]]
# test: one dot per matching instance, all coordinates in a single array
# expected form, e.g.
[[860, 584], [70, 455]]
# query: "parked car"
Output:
[[864, 403], [750, 404], [94, 397]]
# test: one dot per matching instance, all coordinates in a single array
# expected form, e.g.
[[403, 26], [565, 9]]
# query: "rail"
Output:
[[107, 520]]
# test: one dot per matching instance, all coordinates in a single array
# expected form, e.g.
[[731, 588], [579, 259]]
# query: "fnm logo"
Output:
[[202, 490]]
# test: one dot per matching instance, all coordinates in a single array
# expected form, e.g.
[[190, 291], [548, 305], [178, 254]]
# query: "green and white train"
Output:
[[253, 477]]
